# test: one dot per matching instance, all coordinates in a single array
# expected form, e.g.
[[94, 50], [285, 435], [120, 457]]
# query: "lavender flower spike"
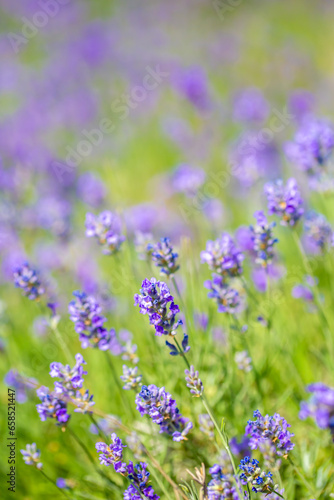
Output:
[[51, 407], [112, 454], [163, 256], [159, 405], [223, 257], [139, 488], [156, 301], [227, 298], [31, 456], [131, 378], [263, 240], [194, 382], [284, 201], [26, 278], [70, 379], [252, 474], [221, 486], [320, 406], [106, 228]]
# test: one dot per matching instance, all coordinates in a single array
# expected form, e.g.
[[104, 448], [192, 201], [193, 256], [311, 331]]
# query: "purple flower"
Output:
[[139, 488], [31, 456], [301, 103], [273, 429], [131, 378], [51, 406], [250, 106], [70, 379], [263, 240], [194, 382], [227, 298], [112, 454], [193, 85], [21, 384], [91, 189], [27, 279], [156, 301], [223, 257], [187, 179], [61, 483], [320, 406], [318, 232], [284, 201], [163, 256], [83, 401], [162, 409], [252, 474], [221, 486], [106, 228], [304, 291]]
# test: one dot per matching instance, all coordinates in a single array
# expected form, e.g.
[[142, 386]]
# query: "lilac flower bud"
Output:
[[194, 382], [227, 298], [320, 406], [284, 201], [106, 228], [159, 405], [163, 256], [131, 378], [223, 257], [31, 456], [260, 481], [156, 301], [263, 239], [26, 278]]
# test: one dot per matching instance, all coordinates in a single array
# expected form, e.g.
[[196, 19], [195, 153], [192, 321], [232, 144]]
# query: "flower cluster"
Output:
[[156, 301], [284, 201], [85, 312], [223, 257], [194, 382], [83, 401], [31, 456], [318, 232], [106, 228], [221, 487], [112, 454], [320, 406], [270, 428], [260, 481], [227, 298], [131, 378], [51, 406], [263, 240], [27, 279], [139, 487], [71, 379], [163, 256], [161, 407]]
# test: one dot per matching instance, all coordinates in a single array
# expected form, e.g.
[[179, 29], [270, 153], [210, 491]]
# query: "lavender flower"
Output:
[[206, 425], [27, 279], [270, 428], [194, 382], [131, 378], [318, 232], [156, 301], [260, 481], [223, 257], [106, 228], [159, 405], [51, 406], [320, 406], [221, 486], [263, 240], [227, 298], [187, 179], [70, 379], [163, 256], [243, 361], [284, 201], [304, 291], [112, 454], [139, 488], [85, 312], [31, 456], [83, 401]]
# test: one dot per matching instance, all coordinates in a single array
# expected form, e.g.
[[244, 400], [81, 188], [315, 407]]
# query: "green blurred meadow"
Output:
[[277, 46]]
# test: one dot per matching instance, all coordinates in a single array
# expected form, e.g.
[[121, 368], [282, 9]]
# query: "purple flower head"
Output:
[[131, 378], [318, 233], [193, 85], [320, 406], [91, 189], [194, 382], [227, 298], [270, 428], [263, 240], [21, 384], [187, 179], [83, 401], [31, 456], [284, 201], [304, 292], [223, 257], [156, 301], [139, 488], [162, 409], [250, 106], [27, 279], [51, 406], [301, 103], [106, 228], [71, 379], [61, 483], [221, 486], [163, 256], [251, 473], [112, 454]]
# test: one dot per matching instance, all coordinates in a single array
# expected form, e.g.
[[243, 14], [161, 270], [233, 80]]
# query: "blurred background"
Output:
[[173, 115]]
